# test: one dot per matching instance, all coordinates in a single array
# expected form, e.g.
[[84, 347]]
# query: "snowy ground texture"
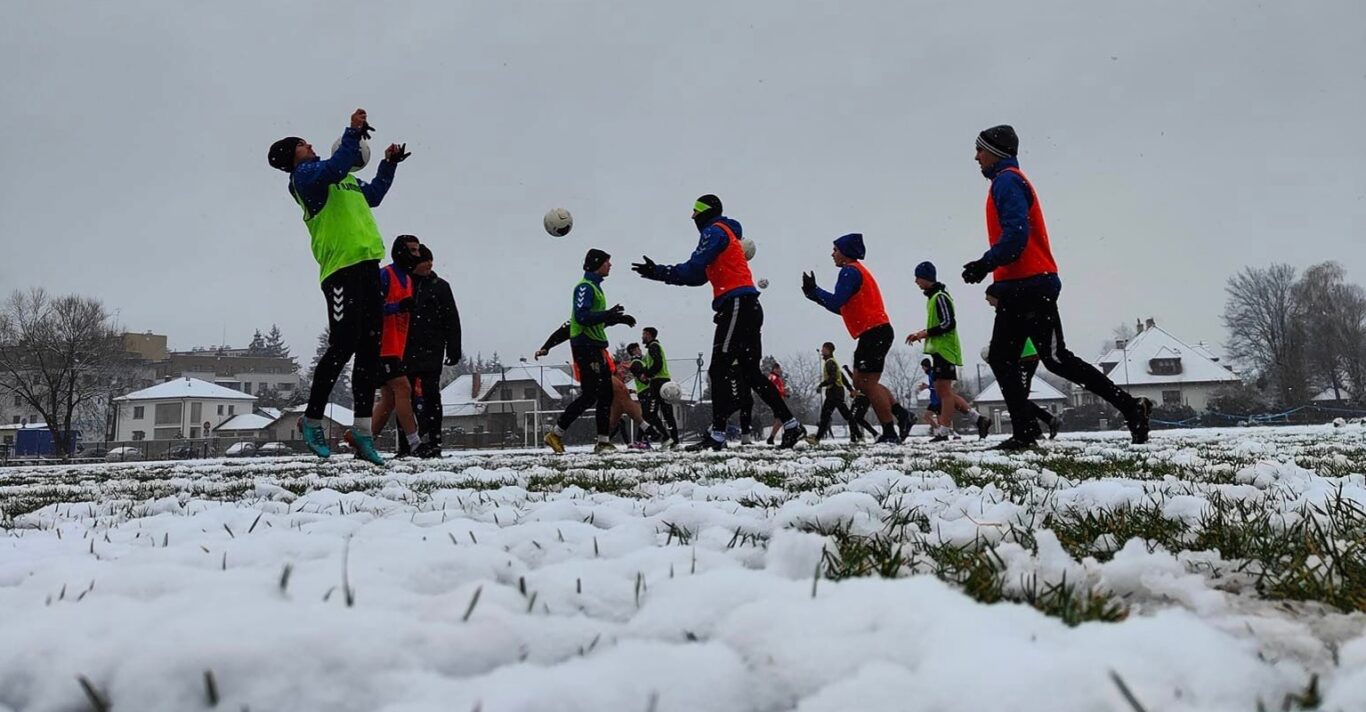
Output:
[[1209, 570]]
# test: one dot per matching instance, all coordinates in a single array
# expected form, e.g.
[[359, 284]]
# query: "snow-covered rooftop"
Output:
[[245, 422], [1197, 364], [1039, 391], [178, 388], [339, 414], [553, 380]]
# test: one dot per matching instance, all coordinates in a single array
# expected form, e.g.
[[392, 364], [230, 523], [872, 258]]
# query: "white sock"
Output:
[[718, 435], [361, 426], [944, 430], [791, 424], [973, 412], [414, 440], [558, 430]]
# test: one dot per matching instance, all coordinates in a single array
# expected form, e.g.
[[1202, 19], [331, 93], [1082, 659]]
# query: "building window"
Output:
[[529, 394], [286, 387], [231, 408], [1164, 366], [261, 388], [15, 420], [1171, 397], [138, 412], [168, 413], [220, 408], [246, 387], [18, 400], [139, 435], [196, 412]]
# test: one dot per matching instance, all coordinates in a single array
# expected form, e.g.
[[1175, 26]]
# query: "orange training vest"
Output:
[[1037, 257], [864, 310], [729, 270], [394, 336]]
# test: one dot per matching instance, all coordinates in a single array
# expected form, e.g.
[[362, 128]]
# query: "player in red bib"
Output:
[[1025, 285], [858, 301], [737, 347]]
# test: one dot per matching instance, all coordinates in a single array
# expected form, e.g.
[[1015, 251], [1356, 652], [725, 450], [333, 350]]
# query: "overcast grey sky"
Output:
[[1171, 143]]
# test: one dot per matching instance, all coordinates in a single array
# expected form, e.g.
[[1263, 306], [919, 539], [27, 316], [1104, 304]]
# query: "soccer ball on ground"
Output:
[[671, 393], [364, 153], [558, 222]]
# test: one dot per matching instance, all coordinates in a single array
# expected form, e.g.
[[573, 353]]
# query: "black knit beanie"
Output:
[[705, 210], [1000, 140], [281, 156], [594, 259]]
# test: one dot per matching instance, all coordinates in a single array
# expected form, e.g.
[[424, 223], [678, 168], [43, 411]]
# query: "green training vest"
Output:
[[946, 345], [344, 232], [596, 332], [839, 374], [663, 363], [642, 385]]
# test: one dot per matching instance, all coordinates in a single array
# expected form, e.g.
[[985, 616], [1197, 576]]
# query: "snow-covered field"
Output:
[[1209, 570]]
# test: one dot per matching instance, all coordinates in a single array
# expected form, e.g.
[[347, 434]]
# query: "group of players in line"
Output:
[[368, 305]]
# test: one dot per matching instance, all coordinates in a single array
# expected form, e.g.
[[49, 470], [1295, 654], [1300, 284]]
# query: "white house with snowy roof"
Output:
[[337, 419], [1165, 369], [499, 401], [178, 408], [991, 403]]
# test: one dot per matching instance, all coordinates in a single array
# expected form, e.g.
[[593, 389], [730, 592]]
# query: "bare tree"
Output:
[[1124, 331], [57, 354], [900, 373], [1330, 313], [801, 371], [1260, 316]]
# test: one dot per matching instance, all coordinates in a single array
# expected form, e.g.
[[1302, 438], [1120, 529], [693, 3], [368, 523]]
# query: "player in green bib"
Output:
[[946, 353], [347, 245]]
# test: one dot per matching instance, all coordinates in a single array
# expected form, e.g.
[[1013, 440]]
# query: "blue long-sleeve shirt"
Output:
[[711, 241], [583, 309], [310, 180], [846, 286]]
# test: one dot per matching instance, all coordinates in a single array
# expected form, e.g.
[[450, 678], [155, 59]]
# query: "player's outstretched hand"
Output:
[[396, 153], [645, 268]]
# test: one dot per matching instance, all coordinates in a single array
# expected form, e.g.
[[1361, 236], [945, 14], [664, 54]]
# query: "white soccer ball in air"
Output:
[[748, 246], [763, 284], [671, 393], [364, 153], [558, 222]]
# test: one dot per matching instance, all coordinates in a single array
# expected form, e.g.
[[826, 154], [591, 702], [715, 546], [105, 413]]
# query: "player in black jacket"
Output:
[[433, 341]]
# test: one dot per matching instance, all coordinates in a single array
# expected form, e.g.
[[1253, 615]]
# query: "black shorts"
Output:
[[871, 352], [942, 369], [391, 367]]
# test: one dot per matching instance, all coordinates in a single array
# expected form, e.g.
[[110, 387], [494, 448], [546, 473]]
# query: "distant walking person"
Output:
[[346, 243], [433, 342], [832, 388], [775, 376], [1026, 286], [656, 370]]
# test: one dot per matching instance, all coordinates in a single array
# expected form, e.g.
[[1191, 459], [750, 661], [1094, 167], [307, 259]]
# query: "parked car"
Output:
[[119, 454], [274, 449], [242, 449], [92, 451], [181, 452]]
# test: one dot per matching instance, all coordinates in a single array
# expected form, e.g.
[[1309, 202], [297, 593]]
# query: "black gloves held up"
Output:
[[975, 271], [808, 282], [617, 315], [645, 269], [397, 153]]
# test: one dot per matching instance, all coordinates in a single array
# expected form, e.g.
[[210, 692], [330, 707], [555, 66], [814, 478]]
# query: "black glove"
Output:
[[406, 304], [975, 271], [366, 130], [452, 359], [808, 282], [645, 269], [400, 155]]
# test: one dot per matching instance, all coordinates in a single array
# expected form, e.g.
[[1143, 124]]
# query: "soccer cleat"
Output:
[[428, 451], [791, 436], [602, 447], [983, 427], [555, 442], [1140, 421], [314, 438], [745, 439], [939, 438], [707, 443], [889, 439], [640, 445], [365, 449], [1015, 444]]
